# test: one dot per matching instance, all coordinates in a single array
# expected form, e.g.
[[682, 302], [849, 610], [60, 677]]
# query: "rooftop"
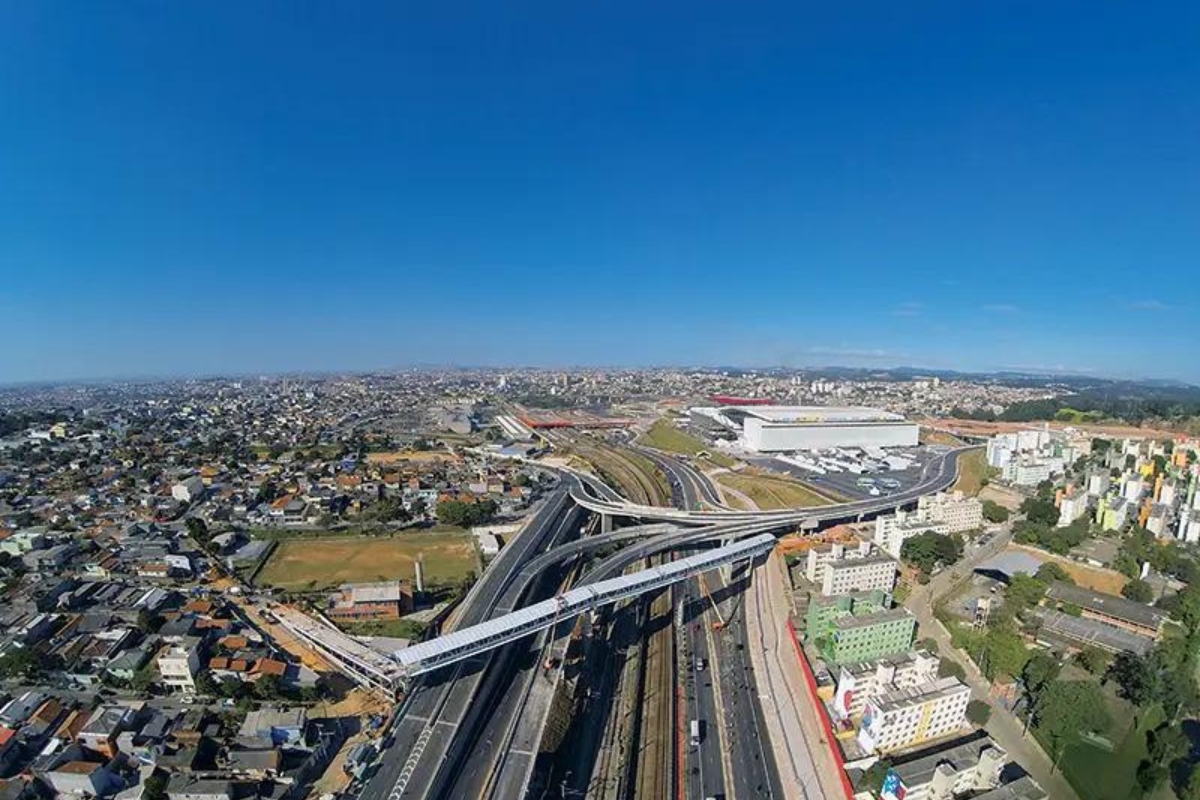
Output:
[[799, 415], [1108, 604], [920, 770]]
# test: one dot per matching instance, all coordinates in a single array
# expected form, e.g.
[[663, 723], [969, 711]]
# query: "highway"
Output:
[[440, 724], [696, 490], [704, 767], [430, 716]]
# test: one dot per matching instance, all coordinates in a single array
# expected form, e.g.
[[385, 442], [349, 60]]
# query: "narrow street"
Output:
[[1005, 728]]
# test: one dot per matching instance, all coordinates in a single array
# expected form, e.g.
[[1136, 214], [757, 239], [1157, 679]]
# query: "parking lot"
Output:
[[858, 486]]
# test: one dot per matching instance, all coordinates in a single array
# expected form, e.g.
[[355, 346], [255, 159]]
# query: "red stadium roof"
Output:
[[729, 400]]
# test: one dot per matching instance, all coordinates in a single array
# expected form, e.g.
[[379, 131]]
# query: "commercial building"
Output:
[[944, 512], [773, 429], [842, 570], [901, 718], [359, 602], [961, 771], [859, 683]]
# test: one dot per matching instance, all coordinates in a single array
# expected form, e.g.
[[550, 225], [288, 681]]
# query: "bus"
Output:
[[695, 730]]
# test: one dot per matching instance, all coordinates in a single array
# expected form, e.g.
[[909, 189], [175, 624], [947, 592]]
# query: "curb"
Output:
[[811, 682]]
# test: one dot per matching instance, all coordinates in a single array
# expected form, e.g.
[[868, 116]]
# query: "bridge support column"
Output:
[[606, 523]]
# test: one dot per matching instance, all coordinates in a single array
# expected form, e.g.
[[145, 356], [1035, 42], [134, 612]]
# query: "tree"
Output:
[[927, 550], [145, 679], [1003, 654], [1041, 668], [948, 667], [1167, 743], [1136, 676], [1092, 659], [1051, 572], [978, 713], [1192, 790], [155, 787], [20, 662], [928, 644], [198, 530], [1024, 592], [1150, 776], [994, 512], [1068, 709], [1040, 510], [873, 777], [1138, 590]]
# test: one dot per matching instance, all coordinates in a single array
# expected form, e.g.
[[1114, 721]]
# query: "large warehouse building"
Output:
[[773, 429]]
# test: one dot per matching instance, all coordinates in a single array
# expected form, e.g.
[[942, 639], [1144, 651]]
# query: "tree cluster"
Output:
[[927, 551], [457, 512], [1049, 536]]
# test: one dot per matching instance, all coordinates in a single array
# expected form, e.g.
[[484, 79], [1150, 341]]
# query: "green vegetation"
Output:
[[394, 628], [663, 435], [315, 564], [634, 475], [1050, 537], [978, 712], [773, 493], [1138, 590], [927, 551], [464, 515], [1096, 773], [972, 472], [994, 512]]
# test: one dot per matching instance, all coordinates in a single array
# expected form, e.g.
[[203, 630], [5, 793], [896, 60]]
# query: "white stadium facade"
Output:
[[774, 429]]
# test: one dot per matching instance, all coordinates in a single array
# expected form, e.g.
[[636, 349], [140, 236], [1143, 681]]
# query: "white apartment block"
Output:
[[962, 771], [941, 513], [900, 718], [178, 665], [1071, 509], [859, 575], [1031, 471], [859, 683], [1168, 494], [1189, 527], [1098, 484], [841, 570], [1133, 488]]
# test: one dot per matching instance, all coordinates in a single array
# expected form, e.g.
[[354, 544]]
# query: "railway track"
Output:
[[657, 743]]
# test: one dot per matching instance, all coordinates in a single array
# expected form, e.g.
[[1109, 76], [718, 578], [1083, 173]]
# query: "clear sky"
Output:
[[255, 187]]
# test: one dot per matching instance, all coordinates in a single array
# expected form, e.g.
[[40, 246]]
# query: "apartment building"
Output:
[[943, 512], [871, 636], [841, 570], [961, 771], [859, 683], [900, 718]]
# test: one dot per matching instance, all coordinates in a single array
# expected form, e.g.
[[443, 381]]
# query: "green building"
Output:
[[860, 626]]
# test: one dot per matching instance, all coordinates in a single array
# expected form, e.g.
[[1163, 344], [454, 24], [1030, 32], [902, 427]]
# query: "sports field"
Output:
[[309, 564]]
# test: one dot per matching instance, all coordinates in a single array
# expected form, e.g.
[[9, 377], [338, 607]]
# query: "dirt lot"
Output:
[[1100, 580], [322, 563], [971, 427]]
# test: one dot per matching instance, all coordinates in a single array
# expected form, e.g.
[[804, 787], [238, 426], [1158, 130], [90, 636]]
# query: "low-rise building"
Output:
[[950, 773], [1114, 611], [188, 489], [841, 570], [178, 665], [359, 602]]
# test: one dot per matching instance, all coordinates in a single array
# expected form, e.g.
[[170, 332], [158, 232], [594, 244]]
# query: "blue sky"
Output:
[[196, 188]]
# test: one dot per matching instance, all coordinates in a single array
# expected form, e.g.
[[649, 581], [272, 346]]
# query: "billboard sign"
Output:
[[893, 787]]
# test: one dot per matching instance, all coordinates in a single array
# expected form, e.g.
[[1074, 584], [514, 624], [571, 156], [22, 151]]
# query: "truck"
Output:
[[696, 733]]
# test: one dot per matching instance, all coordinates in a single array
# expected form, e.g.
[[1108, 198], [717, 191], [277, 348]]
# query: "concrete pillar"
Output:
[[606, 523]]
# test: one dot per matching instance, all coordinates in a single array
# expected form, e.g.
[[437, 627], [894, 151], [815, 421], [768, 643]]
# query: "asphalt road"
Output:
[[704, 770], [429, 718]]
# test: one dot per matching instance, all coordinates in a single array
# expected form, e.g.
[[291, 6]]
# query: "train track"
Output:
[[656, 751]]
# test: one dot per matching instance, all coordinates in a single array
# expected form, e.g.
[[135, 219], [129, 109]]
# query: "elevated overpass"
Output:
[[938, 475], [469, 642]]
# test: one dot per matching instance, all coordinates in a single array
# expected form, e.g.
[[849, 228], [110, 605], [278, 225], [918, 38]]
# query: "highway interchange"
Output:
[[470, 730]]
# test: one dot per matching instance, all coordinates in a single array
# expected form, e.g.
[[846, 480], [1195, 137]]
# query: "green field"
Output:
[[308, 564], [1098, 774], [773, 493], [665, 436]]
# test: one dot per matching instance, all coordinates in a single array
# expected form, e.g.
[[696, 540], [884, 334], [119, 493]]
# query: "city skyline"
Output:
[[304, 191]]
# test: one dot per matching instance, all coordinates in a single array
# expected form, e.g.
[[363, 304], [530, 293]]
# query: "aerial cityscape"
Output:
[[554, 402]]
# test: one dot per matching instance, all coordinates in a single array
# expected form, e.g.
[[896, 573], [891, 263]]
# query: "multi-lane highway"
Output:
[[451, 728]]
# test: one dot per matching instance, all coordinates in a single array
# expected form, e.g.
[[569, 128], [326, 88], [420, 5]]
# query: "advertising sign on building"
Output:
[[845, 696], [893, 787]]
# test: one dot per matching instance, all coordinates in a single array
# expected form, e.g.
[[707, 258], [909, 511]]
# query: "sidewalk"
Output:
[[1005, 728], [807, 768]]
